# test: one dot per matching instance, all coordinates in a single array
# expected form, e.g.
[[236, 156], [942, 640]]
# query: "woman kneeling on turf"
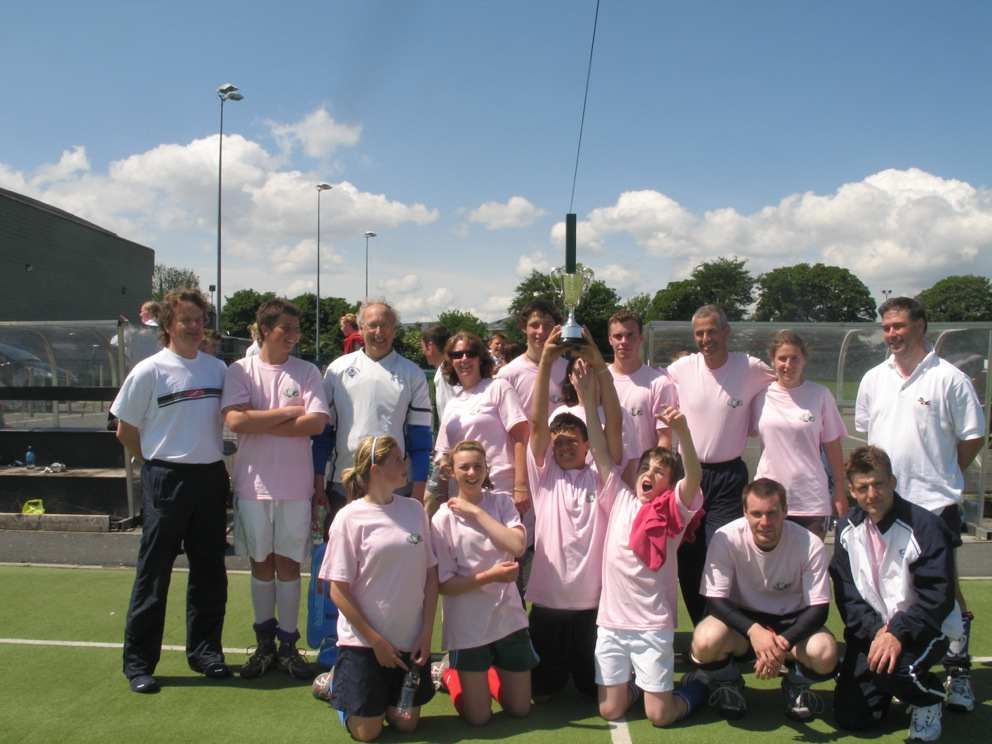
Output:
[[383, 576], [477, 535]]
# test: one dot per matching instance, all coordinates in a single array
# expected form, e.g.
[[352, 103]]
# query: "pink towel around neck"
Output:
[[656, 522]]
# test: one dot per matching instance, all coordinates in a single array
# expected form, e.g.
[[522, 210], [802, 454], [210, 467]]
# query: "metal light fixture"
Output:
[[226, 92], [321, 187], [368, 234]]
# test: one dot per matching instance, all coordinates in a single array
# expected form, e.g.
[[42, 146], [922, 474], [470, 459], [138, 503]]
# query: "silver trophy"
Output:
[[571, 287]]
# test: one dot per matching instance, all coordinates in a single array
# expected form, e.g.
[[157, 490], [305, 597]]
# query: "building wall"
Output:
[[54, 266]]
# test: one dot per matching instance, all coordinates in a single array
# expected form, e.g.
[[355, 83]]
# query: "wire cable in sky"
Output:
[[585, 98]]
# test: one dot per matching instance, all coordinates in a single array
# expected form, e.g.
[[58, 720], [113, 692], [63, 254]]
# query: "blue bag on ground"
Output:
[[322, 615]]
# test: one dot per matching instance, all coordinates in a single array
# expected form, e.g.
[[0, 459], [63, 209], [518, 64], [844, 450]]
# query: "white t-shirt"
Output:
[[635, 597], [571, 514], [717, 402], [919, 421], [463, 548], [790, 577], [443, 392], [793, 423], [374, 398], [383, 551], [521, 372], [643, 396], [268, 466], [485, 413], [174, 402]]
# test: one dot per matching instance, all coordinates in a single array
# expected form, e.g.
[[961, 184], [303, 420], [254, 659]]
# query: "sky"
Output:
[[849, 133]]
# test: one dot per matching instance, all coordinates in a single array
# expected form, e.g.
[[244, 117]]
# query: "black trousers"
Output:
[[723, 484], [862, 697], [565, 641], [184, 507]]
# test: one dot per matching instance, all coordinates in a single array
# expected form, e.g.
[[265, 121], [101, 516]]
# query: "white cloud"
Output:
[[317, 133], [620, 278], [420, 307], [906, 228], [402, 285], [517, 212], [529, 262], [72, 162]]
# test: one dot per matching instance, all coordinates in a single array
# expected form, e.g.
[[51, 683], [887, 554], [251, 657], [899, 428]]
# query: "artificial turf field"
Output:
[[72, 694]]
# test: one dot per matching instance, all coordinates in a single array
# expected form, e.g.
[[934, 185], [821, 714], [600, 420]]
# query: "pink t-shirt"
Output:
[[792, 424], [630, 446], [383, 551], [485, 413], [268, 467], [635, 597], [571, 513], [717, 402], [463, 548], [643, 395], [788, 578], [522, 373]]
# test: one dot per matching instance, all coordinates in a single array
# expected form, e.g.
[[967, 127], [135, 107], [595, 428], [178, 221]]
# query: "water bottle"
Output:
[[411, 681], [29, 458]]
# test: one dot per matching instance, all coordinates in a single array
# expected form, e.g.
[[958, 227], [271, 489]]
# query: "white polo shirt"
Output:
[[370, 397], [919, 421]]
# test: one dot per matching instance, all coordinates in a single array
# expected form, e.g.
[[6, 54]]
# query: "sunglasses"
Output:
[[470, 353]]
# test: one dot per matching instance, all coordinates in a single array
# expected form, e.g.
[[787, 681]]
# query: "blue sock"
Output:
[[694, 695]]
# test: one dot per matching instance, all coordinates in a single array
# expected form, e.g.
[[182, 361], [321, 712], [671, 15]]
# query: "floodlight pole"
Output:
[[368, 234], [226, 92], [321, 187]]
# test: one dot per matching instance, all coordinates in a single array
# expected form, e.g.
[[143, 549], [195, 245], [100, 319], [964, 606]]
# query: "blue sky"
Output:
[[850, 133]]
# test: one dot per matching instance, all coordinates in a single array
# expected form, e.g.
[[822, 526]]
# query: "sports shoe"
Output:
[[728, 698], [293, 662], [801, 703], [260, 660], [438, 668], [925, 722], [960, 696], [213, 667], [144, 684]]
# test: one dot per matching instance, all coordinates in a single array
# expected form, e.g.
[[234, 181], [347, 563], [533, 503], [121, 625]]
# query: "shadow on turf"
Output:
[[275, 679]]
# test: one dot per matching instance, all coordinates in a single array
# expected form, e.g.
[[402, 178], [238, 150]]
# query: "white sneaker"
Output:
[[960, 696], [925, 722]]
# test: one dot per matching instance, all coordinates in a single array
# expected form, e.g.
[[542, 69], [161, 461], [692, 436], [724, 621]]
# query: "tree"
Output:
[[723, 282], [331, 310], [677, 301], [958, 298], [641, 305], [239, 311], [595, 309], [818, 293], [166, 278], [458, 320]]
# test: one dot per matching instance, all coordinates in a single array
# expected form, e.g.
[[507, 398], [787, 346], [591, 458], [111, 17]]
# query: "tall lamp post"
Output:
[[368, 234], [321, 187], [226, 92]]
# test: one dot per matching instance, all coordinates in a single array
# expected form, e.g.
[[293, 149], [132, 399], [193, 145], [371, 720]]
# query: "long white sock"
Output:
[[263, 599], [288, 601]]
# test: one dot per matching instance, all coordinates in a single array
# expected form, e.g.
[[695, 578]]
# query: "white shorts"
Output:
[[265, 527], [651, 654]]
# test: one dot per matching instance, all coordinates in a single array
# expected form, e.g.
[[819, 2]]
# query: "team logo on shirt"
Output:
[[923, 402], [291, 391], [590, 496], [414, 538], [781, 586], [555, 398], [735, 402], [636, 411], [807, 417], [351, 371]]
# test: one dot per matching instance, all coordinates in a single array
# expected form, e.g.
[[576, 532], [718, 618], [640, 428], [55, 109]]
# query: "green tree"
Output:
[[166, 278], [598, 304], [331, 310], [817, 293], [725, 282], [958, 298], [677, 301], [640, 304], [408, 344], [459, 320], [239, 311]]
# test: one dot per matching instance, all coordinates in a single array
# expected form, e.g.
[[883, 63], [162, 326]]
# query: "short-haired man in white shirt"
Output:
[[924, 412], [768, 591], [168, 412], [372, 392], [432, 342]]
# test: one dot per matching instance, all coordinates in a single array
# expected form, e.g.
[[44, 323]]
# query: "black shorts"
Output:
[[565, 642], [951, 516], [362, 687]]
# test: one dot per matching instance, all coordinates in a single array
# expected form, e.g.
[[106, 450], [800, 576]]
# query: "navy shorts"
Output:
[[362, 687], [951, 516]]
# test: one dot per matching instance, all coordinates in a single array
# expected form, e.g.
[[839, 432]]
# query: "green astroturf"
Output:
[[79, 694]]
